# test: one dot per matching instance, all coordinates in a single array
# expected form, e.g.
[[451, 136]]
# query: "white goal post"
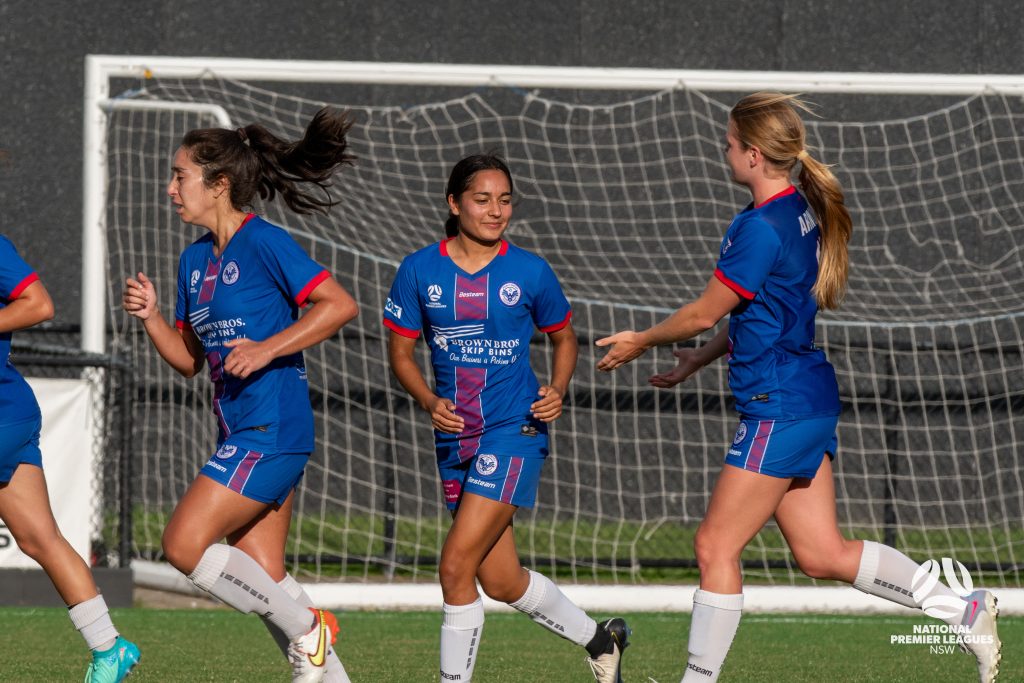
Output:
[[928, 346]]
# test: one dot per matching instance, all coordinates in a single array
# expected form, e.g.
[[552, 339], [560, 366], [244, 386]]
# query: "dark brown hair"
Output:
[[254, 160]]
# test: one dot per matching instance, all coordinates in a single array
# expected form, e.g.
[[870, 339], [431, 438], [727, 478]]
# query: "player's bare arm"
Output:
[[565, 352]]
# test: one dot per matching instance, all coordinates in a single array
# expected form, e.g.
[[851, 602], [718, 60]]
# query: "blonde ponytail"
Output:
[[770, 122]]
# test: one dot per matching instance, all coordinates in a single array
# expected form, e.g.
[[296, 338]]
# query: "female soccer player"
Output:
[[771, 281], [24, 502], [240, 288], [477, 299]]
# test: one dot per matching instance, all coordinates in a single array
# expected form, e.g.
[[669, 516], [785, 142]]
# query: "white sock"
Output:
[[460, 640], [715, 619], [888, 573], [549, 607], [235, 578], [334, 671], [92, 620]]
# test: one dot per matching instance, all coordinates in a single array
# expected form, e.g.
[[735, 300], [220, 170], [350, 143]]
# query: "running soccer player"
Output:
[[477, 299], [24, 502], [782, 258], [240, 288]]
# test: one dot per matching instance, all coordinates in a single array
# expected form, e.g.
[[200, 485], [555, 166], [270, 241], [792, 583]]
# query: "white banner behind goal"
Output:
[[628, 202]]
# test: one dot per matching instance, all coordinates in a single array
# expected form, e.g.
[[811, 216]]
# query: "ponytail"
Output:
[[825, 196], [769, 121], [254, 160]]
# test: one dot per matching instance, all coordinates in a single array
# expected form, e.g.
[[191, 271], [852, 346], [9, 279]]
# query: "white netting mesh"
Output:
[[628, 203]]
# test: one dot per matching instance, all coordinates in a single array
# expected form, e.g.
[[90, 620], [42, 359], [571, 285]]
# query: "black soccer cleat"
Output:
[[606, 648]]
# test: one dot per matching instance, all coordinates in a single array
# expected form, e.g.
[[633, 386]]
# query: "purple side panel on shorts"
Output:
[[242, 472], [759, 445], [511, 480]]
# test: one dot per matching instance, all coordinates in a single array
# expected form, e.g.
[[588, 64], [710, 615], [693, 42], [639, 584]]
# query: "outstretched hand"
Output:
[[625, 346], [139, 297], [687, 365]]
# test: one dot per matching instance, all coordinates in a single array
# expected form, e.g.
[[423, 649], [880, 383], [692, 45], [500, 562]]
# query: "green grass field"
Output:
[[401, 647]]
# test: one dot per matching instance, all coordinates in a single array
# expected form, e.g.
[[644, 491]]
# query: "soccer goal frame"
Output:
[[102, 70]]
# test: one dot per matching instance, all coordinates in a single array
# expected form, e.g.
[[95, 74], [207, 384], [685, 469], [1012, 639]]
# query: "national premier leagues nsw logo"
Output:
[[927, 577]]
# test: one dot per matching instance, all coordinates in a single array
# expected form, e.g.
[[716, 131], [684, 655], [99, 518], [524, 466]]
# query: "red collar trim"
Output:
[[443, 246], [789, 190], [245, 220]]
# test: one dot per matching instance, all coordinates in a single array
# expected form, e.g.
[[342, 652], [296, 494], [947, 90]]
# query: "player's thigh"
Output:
[[807, 518], [741, 502], [25, 507], [501, 574], [263, 539], [207, 513], [478, 524]]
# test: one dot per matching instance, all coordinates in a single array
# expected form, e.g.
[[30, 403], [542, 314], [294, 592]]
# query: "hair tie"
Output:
[[802, 155], [243, 135]]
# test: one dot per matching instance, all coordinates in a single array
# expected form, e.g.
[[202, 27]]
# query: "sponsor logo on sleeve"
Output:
[[393, 308]]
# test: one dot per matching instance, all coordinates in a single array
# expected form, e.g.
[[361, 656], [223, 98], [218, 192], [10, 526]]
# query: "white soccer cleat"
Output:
[[982, 639], [308, 653], [607, 666]]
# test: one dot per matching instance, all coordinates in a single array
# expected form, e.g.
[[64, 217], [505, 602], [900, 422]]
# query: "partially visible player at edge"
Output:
[[476, 299], [240, 288], [24, 502], [770, 282]]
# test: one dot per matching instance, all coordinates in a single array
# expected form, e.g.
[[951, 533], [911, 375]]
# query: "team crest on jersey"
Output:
[[741, 433], [509, 293], [486, 464], [226, 451], [230, 274], [193, 280]]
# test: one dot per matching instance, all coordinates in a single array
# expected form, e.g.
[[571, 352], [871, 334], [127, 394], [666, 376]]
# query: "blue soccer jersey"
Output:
[[478, 328], [769, 256], [17, 402], [253, 290]]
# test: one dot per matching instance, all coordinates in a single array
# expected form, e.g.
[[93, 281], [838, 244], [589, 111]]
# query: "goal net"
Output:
[[628, 202]]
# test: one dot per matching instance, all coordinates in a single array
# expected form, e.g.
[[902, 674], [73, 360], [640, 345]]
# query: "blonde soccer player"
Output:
[[783, 257]]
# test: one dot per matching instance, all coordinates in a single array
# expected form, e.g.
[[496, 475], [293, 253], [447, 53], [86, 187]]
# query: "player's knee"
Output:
[[454, 571], [710, 550], [37, 542], [181, 554]]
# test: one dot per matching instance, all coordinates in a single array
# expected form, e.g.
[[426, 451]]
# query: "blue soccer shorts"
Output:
[[506, 478], [783, 448], [19, 443], [264, 477]]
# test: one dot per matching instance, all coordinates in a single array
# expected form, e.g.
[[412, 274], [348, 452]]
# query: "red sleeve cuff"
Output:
[[16, 292], [300, 298], [732, 285], [398, 329], [180, 324], [557, 326]]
